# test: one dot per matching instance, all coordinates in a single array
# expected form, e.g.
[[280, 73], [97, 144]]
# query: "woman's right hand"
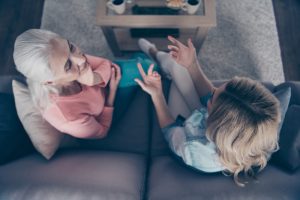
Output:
[[151, 81], [184, 55]]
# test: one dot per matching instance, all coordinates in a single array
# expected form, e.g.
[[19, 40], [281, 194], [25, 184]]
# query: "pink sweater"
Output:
[[83, 115]]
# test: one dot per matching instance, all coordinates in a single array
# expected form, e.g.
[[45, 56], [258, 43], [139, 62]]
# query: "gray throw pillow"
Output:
[[284, 96], [288, 156]]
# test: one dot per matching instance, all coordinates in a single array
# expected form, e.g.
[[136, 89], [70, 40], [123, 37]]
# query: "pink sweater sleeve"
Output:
[[105, 117], [101, 66], [84, 126]]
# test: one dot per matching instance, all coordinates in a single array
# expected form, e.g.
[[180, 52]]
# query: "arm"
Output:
[[152, 85], [186, 56], [105, 117], [83, 126], [202, 84], [162, 110], [113, 84]]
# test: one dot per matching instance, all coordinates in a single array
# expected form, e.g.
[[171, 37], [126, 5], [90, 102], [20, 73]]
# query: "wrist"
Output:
[[111, 98], [194, 63], [157, 96], [113, 91], [110, 101]]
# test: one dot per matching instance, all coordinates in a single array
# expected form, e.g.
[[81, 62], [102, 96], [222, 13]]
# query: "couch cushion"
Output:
[[74, 174], [13, 139], [170, 179], [130, 132]]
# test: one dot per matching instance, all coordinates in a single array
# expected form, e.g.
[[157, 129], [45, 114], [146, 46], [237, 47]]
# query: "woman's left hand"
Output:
[[115, 77], [113, 84]]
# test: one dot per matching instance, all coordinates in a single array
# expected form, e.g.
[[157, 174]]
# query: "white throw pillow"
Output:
[[44, 137]]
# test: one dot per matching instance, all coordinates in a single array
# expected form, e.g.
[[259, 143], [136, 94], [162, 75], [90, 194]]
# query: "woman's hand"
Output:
[[151, 81], [113, 84], [115, 77], [184, 55]]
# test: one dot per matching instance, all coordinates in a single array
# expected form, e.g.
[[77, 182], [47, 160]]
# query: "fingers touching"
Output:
[[177, 44], [174, 41], [173, 48], [190, 44], [174, 54]]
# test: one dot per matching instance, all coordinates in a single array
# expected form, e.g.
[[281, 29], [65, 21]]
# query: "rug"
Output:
[[244, 43]]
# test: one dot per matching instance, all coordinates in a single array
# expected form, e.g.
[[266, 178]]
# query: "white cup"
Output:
[[191, 6], [118, 6]]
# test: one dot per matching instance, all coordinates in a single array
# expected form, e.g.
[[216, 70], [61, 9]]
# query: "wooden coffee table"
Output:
[[116, 28]]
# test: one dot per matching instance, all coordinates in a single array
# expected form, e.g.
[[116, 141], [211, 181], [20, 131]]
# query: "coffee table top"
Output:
[[205, 16]]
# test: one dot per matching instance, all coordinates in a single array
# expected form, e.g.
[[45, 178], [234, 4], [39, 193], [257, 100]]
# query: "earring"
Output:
[[48, 83]]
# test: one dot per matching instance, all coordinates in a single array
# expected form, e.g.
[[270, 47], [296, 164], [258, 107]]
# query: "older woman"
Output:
[[66, 85]]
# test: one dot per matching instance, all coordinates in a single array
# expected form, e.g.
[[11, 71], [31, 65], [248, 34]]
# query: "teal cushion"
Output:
[[130, 71]]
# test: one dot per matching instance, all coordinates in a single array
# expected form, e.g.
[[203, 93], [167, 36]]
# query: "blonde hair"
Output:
[[243, 124], [31, 55]]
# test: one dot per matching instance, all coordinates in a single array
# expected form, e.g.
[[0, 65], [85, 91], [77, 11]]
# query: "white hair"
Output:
[[31, 55]]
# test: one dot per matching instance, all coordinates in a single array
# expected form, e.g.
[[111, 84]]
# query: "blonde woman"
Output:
[[75, 92], [234, 131]]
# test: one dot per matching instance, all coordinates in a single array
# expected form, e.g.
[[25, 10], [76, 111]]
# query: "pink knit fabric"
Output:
[[83, 115]]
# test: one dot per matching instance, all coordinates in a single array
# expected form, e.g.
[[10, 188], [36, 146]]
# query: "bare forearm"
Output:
[[202, 83], [111, 98], [162, 110]]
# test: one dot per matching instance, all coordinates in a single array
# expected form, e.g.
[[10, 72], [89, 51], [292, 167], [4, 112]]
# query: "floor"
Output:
[[16, 16]]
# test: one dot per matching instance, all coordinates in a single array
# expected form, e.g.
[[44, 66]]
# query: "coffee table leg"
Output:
[[200, 36], [111, 40]]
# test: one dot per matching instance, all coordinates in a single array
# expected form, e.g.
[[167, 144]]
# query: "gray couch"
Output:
[[134, 162]]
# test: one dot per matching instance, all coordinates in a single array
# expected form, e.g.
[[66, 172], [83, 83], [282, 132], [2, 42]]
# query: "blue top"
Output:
[[188, 141]]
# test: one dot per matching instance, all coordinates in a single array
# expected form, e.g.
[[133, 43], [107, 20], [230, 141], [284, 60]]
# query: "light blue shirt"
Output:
[[188, 141]]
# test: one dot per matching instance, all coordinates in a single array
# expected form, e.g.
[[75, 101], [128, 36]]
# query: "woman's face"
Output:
[[66, 61]]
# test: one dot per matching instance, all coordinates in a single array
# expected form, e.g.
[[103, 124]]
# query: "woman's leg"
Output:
[[177, 104], [180, 76]]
